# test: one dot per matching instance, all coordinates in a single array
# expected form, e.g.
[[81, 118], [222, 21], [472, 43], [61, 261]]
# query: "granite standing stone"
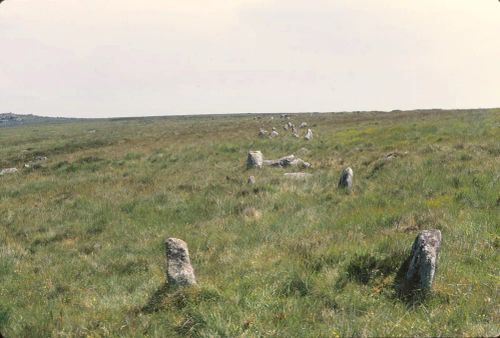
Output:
[[179, 269]]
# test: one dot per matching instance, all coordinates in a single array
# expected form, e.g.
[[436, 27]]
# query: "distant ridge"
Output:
[[11, 119]]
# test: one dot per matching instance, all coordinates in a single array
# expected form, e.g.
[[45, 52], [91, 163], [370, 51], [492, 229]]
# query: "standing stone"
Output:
[[274, 133], [422, 262], [303, 125], [179, 269], [255, 159], [309, 135], [345, 180], [251, 180]]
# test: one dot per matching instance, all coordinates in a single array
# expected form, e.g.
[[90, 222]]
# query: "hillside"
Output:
[[82, 232]]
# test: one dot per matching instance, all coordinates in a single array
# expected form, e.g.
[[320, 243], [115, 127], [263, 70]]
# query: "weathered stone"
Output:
[[296, 135], [346, 176], [8, 171], [251, 180], [422, 262], [262, 132], [274, 133], [290, 125], [297, 176], [179, 269], [303, 125], [281, 162], [300, 163], [255, 159], [309, 135], [287, 161]]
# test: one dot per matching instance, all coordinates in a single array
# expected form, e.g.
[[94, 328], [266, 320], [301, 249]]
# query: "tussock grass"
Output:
[[81, 237]]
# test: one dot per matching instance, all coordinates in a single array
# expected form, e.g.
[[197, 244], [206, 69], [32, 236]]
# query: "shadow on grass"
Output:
[[156, 301]]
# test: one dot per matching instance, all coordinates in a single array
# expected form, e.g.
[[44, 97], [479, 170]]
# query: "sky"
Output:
[[97, 58]]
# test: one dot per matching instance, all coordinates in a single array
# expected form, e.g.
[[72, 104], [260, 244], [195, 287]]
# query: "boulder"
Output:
[[179, 269], [309, 135], [255, 159], [421, 265], [346, 176], [287, 161]]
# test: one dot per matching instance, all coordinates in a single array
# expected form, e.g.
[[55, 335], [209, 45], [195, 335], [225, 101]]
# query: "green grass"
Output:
[[81, 238]]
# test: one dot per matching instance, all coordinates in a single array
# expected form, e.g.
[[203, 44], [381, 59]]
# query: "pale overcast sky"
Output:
[[97, 58]]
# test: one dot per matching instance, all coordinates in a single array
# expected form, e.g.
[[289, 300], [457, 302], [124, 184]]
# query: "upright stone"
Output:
[[346, 176], [179, 269], [309, 135], [274, 133], [255, 159], [422, 262]]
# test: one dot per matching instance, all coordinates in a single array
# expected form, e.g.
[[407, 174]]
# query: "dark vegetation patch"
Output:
[[365, 268]]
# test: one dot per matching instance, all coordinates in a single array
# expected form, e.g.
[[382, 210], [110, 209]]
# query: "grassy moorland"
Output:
[[81, 237]]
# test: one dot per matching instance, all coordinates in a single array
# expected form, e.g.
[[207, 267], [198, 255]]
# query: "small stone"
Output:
[[274, 133], [346, 176], [309, 135], [262, 132], [422, 262], [179, 269], [255, 159], [252, 213], [303, 125], [251, 180]]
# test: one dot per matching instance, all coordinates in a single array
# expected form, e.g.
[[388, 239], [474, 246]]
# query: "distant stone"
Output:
[[262, 132], [255, 159], [8, 171], [92, 131], [251, 180], [309, 135], [296, 135], [274, 133], [422, 262], [290, 125], [346, 176], [179, 269], [297, 176], [285, 127], [41, 158], [303, 125]]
